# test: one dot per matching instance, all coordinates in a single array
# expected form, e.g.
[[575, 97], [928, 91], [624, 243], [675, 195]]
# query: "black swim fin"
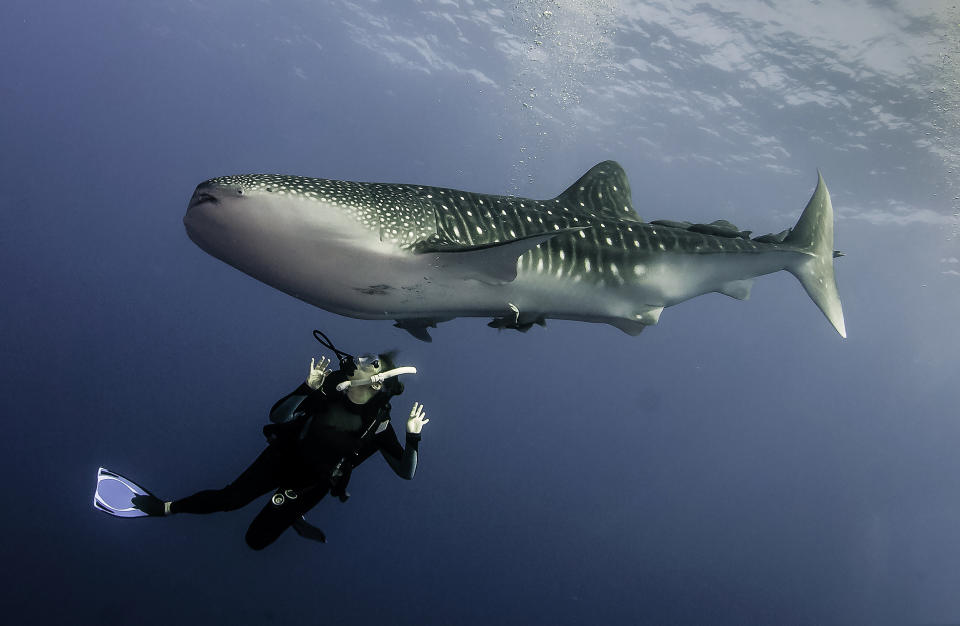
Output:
[[308, 531]]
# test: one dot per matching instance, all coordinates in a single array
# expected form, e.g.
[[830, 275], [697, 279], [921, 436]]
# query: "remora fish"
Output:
[[421, 255]]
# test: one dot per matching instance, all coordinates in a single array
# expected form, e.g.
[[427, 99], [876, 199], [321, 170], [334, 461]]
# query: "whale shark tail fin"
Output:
[[813, 235]]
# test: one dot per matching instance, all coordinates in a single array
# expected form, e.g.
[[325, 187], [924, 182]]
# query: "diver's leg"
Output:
[[273, 519], [264, 475]]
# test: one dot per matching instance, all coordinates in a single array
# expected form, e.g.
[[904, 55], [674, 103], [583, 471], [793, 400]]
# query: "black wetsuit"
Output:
[[316, 439]]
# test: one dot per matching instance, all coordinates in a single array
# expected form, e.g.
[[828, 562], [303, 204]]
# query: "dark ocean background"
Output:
[[739, 463]]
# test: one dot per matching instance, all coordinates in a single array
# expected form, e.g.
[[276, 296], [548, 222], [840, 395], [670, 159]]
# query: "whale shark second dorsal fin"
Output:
[[602, 192]]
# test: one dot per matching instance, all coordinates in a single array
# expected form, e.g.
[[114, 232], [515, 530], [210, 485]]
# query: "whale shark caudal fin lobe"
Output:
[[813, 235]]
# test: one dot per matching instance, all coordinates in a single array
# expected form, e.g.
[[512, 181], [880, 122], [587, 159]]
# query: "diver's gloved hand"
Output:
[[318, 372], [417, 419], [151, 505]]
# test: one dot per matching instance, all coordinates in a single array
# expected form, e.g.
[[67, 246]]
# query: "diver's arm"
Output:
[[283, 410], [402, 460]]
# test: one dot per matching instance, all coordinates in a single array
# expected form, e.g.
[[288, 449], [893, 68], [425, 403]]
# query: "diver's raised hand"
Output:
[[318, 372], [417, 419]]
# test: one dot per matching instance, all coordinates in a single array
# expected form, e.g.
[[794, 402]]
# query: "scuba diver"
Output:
[[318, 434]]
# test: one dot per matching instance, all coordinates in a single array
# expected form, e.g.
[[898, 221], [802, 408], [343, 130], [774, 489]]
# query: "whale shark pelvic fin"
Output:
[[739, 289], [516, 320]]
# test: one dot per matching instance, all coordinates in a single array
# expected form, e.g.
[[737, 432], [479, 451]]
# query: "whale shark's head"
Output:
[[234, 215], [280, 229]]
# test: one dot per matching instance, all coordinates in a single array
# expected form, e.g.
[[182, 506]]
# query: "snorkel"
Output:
[[376, 380]]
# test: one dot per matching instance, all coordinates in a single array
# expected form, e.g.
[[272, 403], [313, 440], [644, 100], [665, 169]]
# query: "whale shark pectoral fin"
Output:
[[420, 332], [418, 327], [493, 264], [739, 289]]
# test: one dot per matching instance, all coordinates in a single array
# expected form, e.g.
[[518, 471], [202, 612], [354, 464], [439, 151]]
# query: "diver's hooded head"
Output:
[[356, 373]]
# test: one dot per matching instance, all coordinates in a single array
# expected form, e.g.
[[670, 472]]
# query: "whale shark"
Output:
[[421, 255]]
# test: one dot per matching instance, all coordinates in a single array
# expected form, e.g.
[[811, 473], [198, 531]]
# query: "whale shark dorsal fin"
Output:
[[603, 192]]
